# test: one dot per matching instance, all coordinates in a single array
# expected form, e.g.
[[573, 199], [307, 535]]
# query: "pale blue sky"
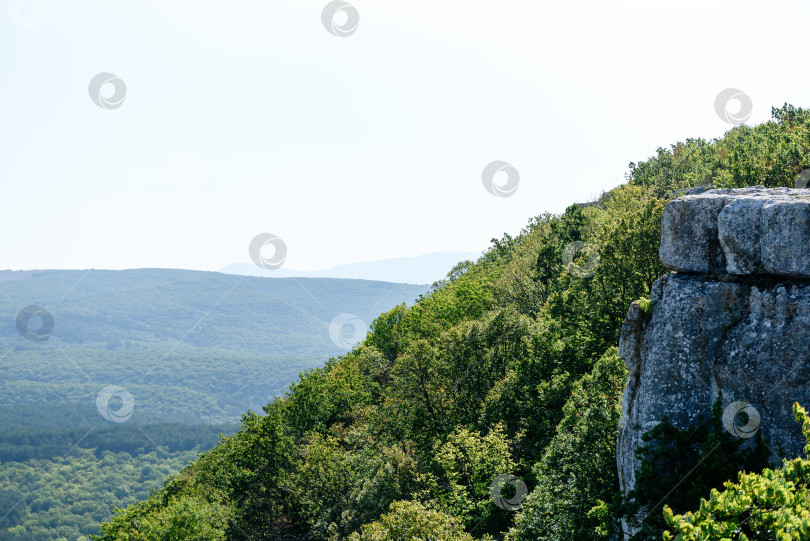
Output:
[[244, 117]]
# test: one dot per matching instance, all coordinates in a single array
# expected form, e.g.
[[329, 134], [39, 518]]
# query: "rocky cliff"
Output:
[[731, 321]]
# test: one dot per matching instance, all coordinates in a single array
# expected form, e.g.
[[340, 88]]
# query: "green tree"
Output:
[[413, 521], [694, 461], [578, 467], [772, 505], [462, 471]]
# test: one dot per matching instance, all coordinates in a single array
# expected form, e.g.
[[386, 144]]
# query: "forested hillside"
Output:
[[190, 346], [502, 382], [192, 349]]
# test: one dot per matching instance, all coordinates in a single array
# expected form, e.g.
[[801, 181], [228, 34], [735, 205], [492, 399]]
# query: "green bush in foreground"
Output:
[[773, 505], [680, 466]]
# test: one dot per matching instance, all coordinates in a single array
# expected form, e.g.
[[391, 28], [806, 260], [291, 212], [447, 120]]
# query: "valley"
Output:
[[131, 374]]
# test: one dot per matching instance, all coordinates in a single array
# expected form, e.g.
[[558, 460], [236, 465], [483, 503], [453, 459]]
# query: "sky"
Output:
[[247, 117]]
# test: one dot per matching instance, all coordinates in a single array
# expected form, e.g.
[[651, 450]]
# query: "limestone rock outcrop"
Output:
[[732, 321], [745, 231]]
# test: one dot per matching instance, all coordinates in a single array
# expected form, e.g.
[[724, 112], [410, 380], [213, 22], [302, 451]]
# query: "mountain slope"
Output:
[[423, 269], [491, 405]]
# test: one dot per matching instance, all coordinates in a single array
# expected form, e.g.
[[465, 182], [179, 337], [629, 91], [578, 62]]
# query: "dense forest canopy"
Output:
[[191, 372], [507, 367]]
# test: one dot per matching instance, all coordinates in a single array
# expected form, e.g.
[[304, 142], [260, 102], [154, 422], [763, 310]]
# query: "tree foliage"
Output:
[[773, 505], [578, 466], [679, 466], [507, 366]]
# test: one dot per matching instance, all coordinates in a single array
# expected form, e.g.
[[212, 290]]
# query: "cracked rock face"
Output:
[[714, 335], [746, 231]]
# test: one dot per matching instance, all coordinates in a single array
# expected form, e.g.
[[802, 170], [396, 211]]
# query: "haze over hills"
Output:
[[116, 379], [197, 346], [423, 269]]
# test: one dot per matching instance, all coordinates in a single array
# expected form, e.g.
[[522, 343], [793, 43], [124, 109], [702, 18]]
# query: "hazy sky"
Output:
[[244, 117]]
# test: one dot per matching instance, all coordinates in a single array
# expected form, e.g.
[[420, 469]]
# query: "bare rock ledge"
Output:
[[745, 231]]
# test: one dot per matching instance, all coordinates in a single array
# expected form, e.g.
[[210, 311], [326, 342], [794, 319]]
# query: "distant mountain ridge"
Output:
[[197, 346], [110, 381], [423, 269]]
